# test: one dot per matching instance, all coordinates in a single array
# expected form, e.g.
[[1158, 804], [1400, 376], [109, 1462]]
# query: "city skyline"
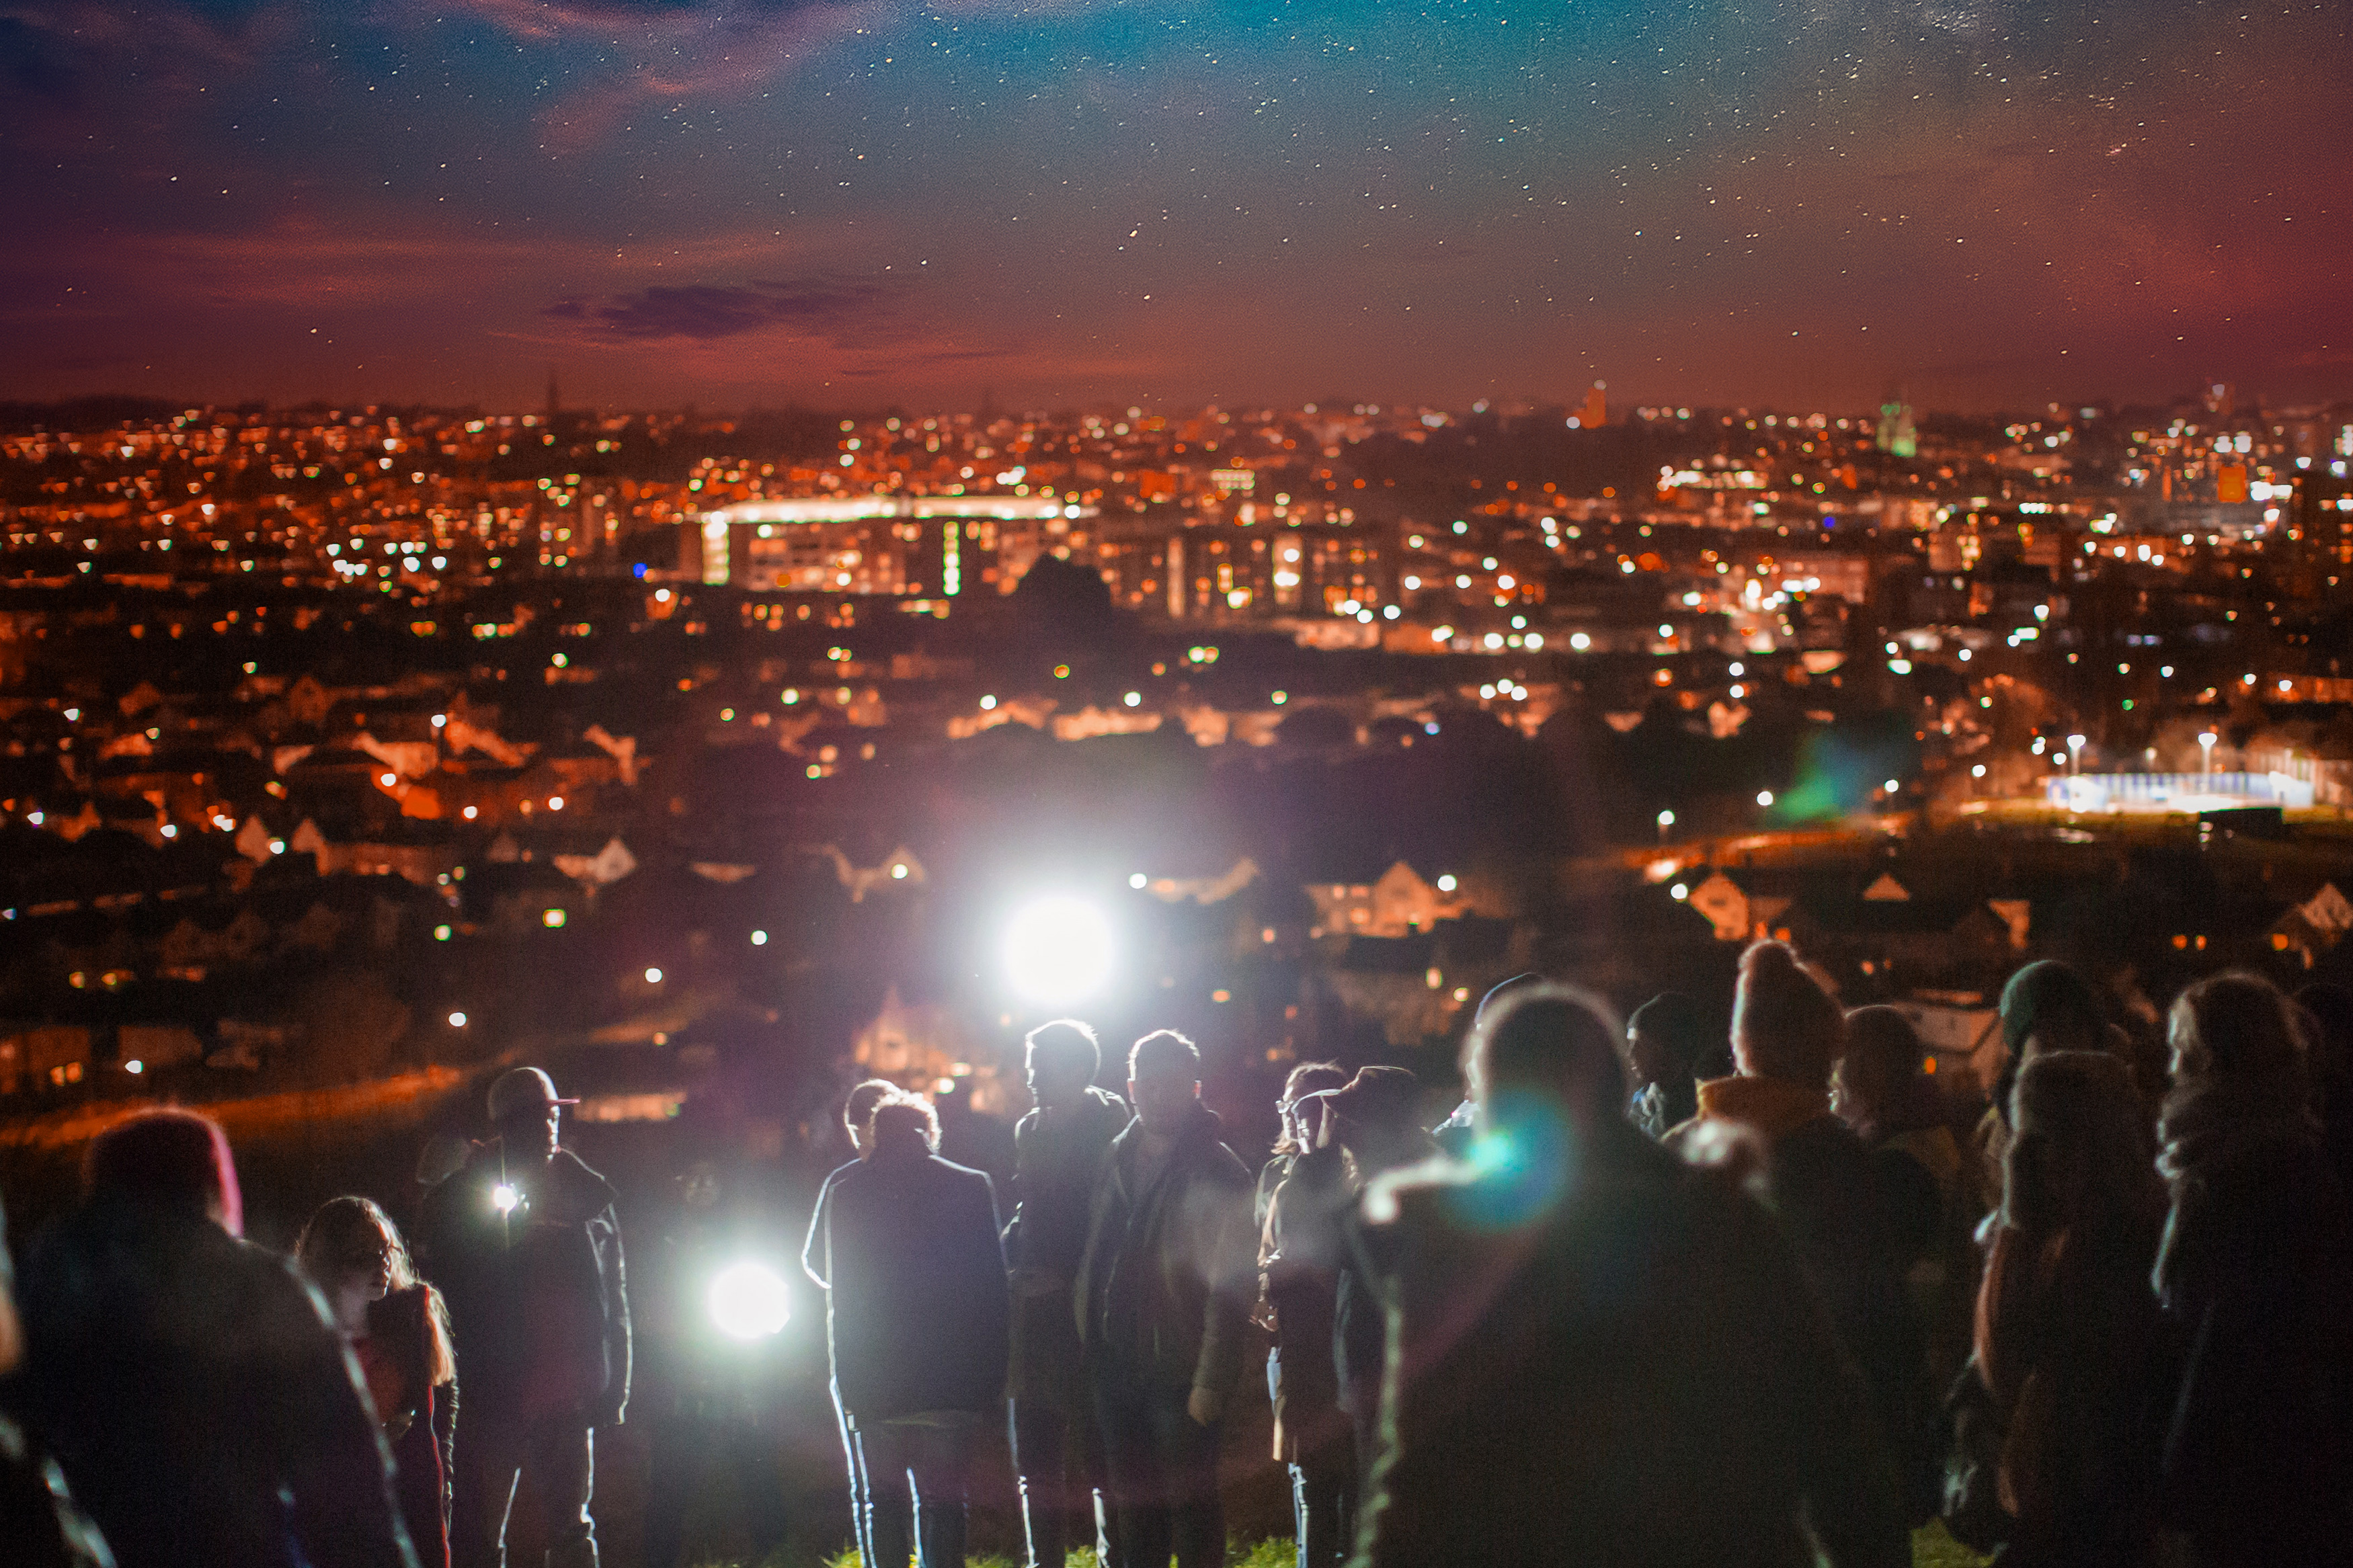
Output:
[[875, 205]]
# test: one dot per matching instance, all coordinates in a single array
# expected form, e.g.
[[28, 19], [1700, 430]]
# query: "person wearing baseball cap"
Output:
[[526, 1247]]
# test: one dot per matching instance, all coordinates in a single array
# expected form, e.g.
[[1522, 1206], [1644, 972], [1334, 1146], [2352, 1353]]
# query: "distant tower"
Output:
[[554, 402], [1897, 434], [1593, 412]]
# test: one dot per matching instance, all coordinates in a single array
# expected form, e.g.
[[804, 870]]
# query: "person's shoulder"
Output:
[[576, 1173], [1107, 1104], [951, 1173]]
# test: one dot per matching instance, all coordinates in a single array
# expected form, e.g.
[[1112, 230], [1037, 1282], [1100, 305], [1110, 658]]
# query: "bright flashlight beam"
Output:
[[1058, 951], [749, 1302]]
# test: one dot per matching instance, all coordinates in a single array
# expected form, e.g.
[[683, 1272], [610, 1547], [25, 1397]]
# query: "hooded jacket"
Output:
[[1165, 1285], [539, 1302], [202, 1408]]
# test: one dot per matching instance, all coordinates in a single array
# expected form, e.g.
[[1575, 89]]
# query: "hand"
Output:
[[1203, 1405]]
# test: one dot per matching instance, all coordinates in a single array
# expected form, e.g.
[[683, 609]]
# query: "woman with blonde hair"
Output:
[[399, 1331]]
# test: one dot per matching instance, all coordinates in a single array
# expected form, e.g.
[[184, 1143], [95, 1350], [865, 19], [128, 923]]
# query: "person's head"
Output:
[[528, 1113], [1063, 1058], [1785, 1023], [698, 1187], [902, 1125], [1306, 1078], [1163, 1080], [1668, 1038], [2238, 1029], [1882, 1084], [353, 1255], [174, 1159], [1375, 1117], [2050, 1006], [1546, 1044], [1501, 992], [2081, 1148], [858, 1110]]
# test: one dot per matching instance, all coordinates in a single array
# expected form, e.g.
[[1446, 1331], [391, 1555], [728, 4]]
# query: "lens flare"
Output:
[[749, 1302], [1058, 951]]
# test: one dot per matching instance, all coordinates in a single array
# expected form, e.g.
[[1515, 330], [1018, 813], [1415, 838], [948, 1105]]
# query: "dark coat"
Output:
[[1624, 1368], [201, 1405], [2256, 1276], [1301, 1259], [1165, 1288], [1057, 1165], [539, 1302], [918, 1319]]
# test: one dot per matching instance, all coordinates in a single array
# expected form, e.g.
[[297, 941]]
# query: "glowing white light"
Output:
[[504, 1197], [1058, 950], [456, 1020], [135, 1068], [653, 975], [1136, 880], [1680, 891], [1446, 884], [750, 1301], [759, 939], [1579, 641], [1764, 797]]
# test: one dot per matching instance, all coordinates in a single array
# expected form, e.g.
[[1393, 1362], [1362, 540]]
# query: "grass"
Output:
[[1931, 1548]]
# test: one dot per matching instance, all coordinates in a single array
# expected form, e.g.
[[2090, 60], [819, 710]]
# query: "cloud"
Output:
[[707, 311]]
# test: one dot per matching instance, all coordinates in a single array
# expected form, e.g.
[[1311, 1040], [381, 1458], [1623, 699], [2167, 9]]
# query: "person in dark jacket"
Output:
[[1786, 1033], [43, 1525], [188, 1383], [526, 1246], [2255, 1273], [1058, 1150], [857, 1112], [1597, 1353], [398, 1330], [1295, 1302], [2328, 1010], [1670, 1045], [2067, 1337], [918, 1328], [1164, 1294]]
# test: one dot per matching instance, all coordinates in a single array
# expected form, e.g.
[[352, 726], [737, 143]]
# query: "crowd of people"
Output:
[[1666, 1294]]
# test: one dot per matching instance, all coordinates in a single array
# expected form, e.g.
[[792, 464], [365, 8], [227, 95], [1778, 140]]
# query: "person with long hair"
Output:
[[2256, 1274], [2066, 1330], [398, 1330]]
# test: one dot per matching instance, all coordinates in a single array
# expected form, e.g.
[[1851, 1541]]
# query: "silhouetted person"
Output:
[[399, 1331], [1165, 1288], [189, 1385], [918, 1329], [1786, 1033], [1882, 1089], [1600, 1356], [2256, 1274], [2047, 1005], [2330, 1009], [1454, 1133], [2067, 1336], [526, 1246], [43, 1525], [1301, 1249], [1672, 1043], [856, 1110], [1058, 1150], [713, 1388]]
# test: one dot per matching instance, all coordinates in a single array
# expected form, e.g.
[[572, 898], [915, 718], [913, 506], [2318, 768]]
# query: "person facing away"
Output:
[[1670, 1045], [1786, 1033], [1597, 1353], [1454, 1135], [2255, 1275], [398, 1330], [918, 1328], [188, 1383], [1163, 1292], [43, 1525], [857, 1112], [2047, 1005], [1058, 1150], [1883, 1089], [2066, 1335], [526, 1245]]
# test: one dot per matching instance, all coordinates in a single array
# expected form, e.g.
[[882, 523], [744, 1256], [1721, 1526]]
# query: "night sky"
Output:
[[1796, 203]]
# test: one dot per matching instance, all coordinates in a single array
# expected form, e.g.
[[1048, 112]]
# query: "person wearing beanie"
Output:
[[1600, 1356], [2066, 1332], [1788, 1033], [2049, 1006], [1882, 1090], [2255, 1275]]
